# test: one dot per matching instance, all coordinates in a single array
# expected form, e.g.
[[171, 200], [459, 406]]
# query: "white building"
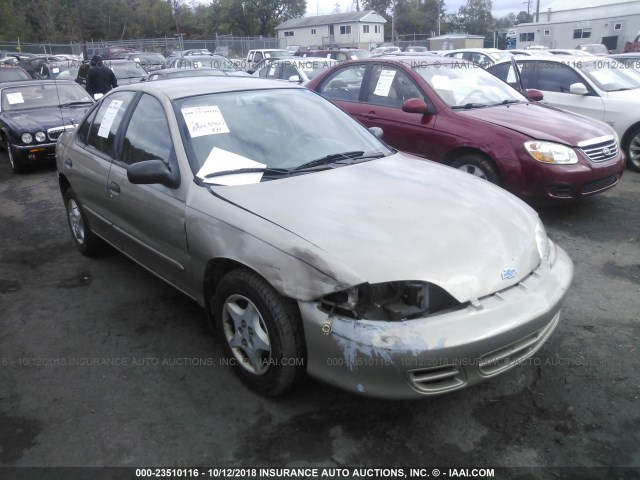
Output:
[[353, 29], [569, 23]]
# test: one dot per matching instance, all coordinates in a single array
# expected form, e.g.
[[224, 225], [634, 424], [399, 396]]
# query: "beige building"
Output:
[[353, 29]]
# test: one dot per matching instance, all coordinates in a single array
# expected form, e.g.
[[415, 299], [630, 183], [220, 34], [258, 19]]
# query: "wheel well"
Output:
[[215, 270], [626, 137], [458, 152], [63, 183]]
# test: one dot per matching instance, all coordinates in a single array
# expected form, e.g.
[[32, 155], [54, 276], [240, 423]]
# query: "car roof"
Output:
[[176, 88], [31, 83], [410, 60], [479, 49]]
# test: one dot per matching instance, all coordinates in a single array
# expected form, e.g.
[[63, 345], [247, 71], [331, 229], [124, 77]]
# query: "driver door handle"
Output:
[[371, 115], [114, 187]]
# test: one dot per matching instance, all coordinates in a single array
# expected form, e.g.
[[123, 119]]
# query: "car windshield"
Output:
[[277, 53], [262, 129], [127, 69], [610, 75], [499, 56], [64, 71], [12, 74], [152, 58], [42, 95], [314, 67], [357, 54], [463, 85]]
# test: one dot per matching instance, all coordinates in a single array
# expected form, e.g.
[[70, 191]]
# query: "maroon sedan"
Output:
[[453, 112]]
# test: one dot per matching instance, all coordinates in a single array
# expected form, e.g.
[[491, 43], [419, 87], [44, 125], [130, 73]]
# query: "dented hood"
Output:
[[401, 218]]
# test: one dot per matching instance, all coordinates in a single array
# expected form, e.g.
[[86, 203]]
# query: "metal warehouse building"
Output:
[[569, 23]]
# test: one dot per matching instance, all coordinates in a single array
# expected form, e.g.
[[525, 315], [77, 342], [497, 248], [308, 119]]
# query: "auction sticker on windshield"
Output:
[[109, 117], [205, 120], [384, 83], [14, 98]]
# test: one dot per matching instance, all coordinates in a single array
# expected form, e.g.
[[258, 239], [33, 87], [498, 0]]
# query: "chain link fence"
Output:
[[227, 45]]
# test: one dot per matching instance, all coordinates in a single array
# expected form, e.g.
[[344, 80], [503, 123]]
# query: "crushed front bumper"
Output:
[[441, 353]]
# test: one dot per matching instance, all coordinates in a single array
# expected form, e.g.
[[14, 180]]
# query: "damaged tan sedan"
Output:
[[314, 247]]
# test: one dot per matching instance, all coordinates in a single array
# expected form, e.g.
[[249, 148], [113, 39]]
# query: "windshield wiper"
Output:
[[70, 104], [336, 158], [275, 171], [506, 102], [468, 106]]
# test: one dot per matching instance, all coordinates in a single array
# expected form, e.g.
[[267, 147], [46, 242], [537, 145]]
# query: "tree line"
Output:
[[64, 21]]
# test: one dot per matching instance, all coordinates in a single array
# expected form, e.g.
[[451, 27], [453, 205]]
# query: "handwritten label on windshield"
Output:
[[207, 120], [384, 83], [14, 98], [109, 118]]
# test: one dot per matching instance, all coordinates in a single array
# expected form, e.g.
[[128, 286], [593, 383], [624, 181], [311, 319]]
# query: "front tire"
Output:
[[479, 166], [15, 160], [85, 240], [632, 149], [261, 332]]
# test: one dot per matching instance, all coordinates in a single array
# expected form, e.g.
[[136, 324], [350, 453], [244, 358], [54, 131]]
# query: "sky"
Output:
[[500, 7]]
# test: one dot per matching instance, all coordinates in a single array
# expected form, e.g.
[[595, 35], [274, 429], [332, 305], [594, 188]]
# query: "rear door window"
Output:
[[102, 134], [344, 84]]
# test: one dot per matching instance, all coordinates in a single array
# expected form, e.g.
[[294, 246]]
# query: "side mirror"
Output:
[[294, 79], [578, 89], [534, 95], [377, 131], [415, 105], [152, 171]]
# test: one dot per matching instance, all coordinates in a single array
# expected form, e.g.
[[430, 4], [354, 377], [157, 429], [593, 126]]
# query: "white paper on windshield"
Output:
[[272, 70], [206, 120], [136, 59], [603, 77], [384, 83], [109, 118], [511, 76], [220, 160], [440, 82], [55, 70], [14, 98]]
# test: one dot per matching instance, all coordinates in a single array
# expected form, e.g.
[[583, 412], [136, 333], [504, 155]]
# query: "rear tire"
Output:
[[632, 149], [85, 240], [479, 166], [261, 332]]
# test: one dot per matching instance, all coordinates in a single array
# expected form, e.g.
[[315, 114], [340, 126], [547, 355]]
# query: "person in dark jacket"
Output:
[[100, 79]]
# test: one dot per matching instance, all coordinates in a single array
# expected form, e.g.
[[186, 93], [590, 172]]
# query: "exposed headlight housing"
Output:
[[549, 152], [542, 241], [389, 301], [27, 138], [40, 136]]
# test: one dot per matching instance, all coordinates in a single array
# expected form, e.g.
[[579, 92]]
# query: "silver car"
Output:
[[314, 247]]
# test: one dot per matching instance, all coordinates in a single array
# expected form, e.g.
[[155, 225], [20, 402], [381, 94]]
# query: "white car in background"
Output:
[[294, 69], [484, 57], [597, 87]]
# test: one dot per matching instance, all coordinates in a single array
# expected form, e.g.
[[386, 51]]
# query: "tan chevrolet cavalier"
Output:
[[315, 248]]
